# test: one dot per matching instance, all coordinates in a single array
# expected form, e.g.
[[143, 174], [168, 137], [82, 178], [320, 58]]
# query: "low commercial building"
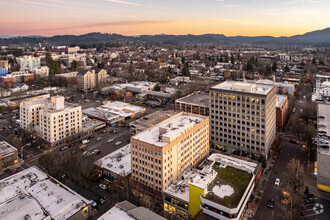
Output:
[[127, 211], [150, 120], [220, 189], [8, 155], [281, 110], [281, 88], [90, 126], [103, 115], [15, 101], [196, 103], [161, 153], [124, 109], [116, 164], [32, 194], [323, 151]]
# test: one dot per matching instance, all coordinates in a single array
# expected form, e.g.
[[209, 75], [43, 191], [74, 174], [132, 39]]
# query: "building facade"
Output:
[[88, 80], [161, 153], [4, 67], [52, 119], [243, 116], [281, 110], [8, 155], [29, 62]]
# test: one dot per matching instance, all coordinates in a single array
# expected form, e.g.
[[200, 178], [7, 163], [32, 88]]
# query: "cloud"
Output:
[[124, 2]]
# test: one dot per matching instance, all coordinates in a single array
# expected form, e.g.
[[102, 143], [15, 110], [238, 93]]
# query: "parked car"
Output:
[[99, 138], [104, 131], [90, 137], [117, 143], [94, 204], [270, 203], [64, 148], [277, 182], [321, 116], [294, 141], [102, 186], [101, 200], [84, 141], [110, 140]]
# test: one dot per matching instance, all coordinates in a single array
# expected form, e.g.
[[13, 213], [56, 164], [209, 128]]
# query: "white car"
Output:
[[277, 182], [117, 143], [110, 140], [99, 138], [102, 186]]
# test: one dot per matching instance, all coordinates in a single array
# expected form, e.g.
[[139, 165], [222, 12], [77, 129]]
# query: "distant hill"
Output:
[[314, 38]]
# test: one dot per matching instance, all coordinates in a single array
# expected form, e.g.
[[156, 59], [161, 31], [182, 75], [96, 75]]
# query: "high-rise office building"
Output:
[[243, 116]]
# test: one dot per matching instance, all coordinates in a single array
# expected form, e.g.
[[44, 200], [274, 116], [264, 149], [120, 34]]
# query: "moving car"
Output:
[[117, 143], [110, 140], [277, 182], [270, 203], [99, 138], [101, 200], [294, 141], [94, 204], [84, 141]]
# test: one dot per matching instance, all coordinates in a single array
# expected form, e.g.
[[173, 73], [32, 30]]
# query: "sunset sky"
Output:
[[136, 17]]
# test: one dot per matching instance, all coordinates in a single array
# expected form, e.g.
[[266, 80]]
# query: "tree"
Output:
[[274, 67], [74, 65], [185, 70], [249, 66], [262, 159], [157, 87], [48, 59], [286, 69], [232, 59], [314, 61]]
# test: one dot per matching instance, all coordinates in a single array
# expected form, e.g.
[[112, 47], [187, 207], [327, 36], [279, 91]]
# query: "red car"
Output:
[[15, 171]]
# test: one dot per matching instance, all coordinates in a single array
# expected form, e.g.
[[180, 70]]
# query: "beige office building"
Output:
[[161, 153], [53, 119], [243, 116]]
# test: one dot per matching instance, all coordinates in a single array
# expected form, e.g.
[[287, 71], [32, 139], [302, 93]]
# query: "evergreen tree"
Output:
[[74, 65], [274, 67]]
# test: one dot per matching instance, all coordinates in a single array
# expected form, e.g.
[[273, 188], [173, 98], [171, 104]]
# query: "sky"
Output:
[[137, 17]]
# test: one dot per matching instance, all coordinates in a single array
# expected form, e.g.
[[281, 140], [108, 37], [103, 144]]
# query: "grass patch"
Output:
[[236, 178]]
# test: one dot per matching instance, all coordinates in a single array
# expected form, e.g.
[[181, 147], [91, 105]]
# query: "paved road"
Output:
[[288, 151]]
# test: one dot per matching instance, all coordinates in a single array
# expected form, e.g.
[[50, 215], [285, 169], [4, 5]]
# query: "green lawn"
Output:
[[238, 179]]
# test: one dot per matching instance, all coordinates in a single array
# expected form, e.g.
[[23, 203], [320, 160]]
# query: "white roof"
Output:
[[279, 100], [6, 148], [234, 162], [158, 134], [115, 213], [324, 110], [111, 163], [43, 196], [246, 87], [180, 188]]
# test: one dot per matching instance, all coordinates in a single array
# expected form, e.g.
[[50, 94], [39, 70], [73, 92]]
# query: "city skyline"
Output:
[[136, 17]]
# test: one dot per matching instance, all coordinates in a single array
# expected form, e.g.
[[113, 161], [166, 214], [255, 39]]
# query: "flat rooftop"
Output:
[[152, 119], [246, 87], [127, 211], [199, 99], [118, 162], [229, 185], [32, 192], [324, 124], [6, 149], [180, 188], [161, 134], [280, 100]]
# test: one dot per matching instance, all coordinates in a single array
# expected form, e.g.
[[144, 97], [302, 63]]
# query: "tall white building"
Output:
[[52, 119]]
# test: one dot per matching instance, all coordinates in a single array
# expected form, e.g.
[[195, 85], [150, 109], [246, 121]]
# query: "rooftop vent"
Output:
[[121, 166], [27, 217]]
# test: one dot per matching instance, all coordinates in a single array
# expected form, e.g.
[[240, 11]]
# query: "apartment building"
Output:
[[29, 62], [52, 119], [243, 116], [161, 153], [91, 79], [8, 155], [4, 67]]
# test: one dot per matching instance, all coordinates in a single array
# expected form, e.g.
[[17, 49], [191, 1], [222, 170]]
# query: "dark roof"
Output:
[[82, 72], [98, 70]]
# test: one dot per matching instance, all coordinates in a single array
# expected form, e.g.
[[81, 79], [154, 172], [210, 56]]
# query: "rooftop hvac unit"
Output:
[[121, 166], [118, 159]]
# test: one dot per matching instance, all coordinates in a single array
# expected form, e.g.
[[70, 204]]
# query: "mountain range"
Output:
[[314, 38]]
